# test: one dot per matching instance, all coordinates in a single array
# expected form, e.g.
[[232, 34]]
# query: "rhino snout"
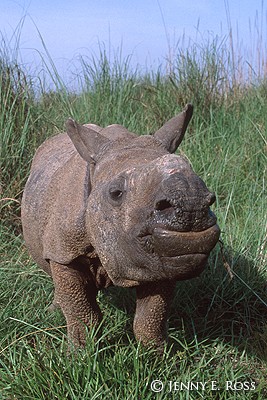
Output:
[[166, 205], [184, 214], [183, 202]]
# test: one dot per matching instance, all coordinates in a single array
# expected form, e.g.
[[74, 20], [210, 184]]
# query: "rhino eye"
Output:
[[116, 191], [115, 194]]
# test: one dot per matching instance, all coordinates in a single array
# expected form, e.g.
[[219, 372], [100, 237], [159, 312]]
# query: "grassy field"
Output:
[[218, 325]]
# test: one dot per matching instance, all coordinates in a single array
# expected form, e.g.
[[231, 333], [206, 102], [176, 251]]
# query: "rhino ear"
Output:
[[172, 132], [87, 141]]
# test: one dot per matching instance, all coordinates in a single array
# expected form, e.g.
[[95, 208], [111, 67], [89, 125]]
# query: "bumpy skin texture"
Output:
[[107, 207]]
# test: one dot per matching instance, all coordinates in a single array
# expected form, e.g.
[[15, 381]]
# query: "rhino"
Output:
[[105, 206]]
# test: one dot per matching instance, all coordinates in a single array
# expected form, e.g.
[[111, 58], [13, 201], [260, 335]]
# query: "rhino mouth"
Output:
[[169, 243], [183, 255]]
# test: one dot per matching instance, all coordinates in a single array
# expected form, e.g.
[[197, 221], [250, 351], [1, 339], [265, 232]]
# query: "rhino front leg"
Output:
[[76, 296], [153, 302]]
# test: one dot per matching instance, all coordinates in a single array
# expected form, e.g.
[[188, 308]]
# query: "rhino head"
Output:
[[148, 215]]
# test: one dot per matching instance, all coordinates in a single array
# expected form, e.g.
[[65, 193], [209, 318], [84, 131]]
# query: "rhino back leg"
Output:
[[153, 302], [75, 294]]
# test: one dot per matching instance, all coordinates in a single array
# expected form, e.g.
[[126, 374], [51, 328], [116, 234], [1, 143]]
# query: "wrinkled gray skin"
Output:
[[107, 207]]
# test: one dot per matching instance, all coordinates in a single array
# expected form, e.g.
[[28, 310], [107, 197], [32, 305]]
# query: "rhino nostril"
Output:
[[211, 198], [163, 205]]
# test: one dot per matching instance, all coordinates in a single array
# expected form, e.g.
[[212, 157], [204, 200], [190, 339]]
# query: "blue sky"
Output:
[[145, 29]]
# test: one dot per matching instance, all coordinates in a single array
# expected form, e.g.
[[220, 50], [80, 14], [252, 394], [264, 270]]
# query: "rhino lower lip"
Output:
[[167, 243], [193, 258], [183, 267]]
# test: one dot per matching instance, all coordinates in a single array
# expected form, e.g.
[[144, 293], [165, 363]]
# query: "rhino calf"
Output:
[[107, 207]]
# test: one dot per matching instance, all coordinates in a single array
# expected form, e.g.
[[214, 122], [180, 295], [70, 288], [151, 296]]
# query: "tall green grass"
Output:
[[218, 326]]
